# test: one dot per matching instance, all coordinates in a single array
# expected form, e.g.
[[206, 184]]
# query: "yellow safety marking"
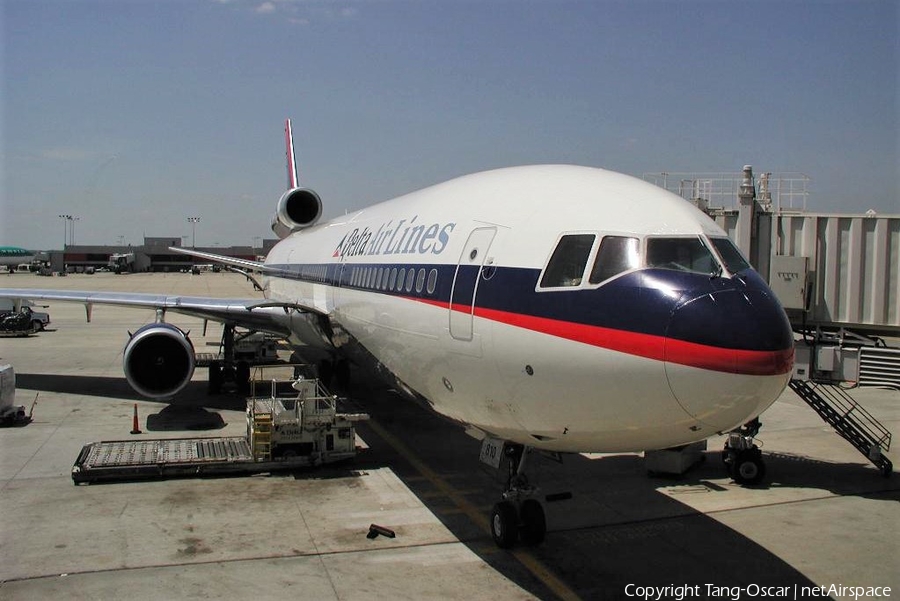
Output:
[[473, 513]]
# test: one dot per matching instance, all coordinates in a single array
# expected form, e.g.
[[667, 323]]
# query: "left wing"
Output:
[[253, 313]]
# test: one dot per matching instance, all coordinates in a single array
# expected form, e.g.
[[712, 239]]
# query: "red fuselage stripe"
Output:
[[659, 348]]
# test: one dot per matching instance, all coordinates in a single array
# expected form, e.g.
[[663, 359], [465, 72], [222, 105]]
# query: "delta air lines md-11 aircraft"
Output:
[[550, 307]]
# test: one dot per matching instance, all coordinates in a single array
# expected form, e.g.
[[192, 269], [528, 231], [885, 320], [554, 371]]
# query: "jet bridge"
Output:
[[830, 271], [838, 278]]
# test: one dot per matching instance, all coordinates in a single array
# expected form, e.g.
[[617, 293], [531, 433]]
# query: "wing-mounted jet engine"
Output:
[[159, 360], [298, 208]]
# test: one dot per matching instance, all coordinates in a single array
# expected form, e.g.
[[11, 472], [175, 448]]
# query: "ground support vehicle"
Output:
[[297, 425]]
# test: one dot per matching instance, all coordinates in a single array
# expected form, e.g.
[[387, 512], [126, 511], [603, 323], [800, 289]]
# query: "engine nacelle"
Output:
[[297, 209], [159, 360]]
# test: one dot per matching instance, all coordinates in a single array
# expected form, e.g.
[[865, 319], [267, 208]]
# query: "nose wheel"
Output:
[[519, 516], [742, 457]]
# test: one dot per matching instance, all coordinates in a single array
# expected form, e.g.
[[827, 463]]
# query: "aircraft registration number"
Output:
[[491, 451]]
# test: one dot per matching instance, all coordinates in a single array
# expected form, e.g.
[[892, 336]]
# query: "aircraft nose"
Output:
[[729, 355]]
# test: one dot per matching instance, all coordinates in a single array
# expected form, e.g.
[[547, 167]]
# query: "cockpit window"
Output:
[[681, 254], [566, 266], [734, 261], [616, 254]]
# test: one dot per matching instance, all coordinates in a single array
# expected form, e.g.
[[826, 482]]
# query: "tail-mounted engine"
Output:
[[297, 208], [159, 360]]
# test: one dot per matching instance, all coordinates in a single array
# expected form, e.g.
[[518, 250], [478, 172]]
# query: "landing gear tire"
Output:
[[504, 524], [519, 516], [742, 458], [534, 524], [748, 467]]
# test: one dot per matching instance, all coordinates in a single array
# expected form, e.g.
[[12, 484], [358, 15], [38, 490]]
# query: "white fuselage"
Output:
[[443, 287]]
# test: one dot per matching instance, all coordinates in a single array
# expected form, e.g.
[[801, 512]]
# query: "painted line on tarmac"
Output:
[[537, 569]]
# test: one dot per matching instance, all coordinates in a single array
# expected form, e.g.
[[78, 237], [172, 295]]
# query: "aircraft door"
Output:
[[465, 281]]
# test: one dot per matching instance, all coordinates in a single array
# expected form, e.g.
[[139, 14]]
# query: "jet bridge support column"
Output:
[[746, 224]]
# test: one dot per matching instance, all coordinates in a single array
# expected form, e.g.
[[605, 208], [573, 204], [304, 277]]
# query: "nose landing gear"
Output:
[[742, 458], [519, 516]]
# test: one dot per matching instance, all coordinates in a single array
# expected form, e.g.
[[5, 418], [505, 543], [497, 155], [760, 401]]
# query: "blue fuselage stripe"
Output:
[[641, 302]]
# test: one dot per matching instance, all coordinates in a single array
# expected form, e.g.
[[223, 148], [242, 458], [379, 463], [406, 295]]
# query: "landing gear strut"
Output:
[[228, 372], [742, 458], [519, 516]]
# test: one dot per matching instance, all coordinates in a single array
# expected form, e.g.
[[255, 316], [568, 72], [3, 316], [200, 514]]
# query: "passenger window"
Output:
[[410, 276], [680, 254], [393, 281], [616, 254], [734, 261], [401, 275], [420, 280], [432, 281], [566, 266]]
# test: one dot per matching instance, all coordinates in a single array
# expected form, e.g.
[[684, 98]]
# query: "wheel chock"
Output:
[[375, 530]]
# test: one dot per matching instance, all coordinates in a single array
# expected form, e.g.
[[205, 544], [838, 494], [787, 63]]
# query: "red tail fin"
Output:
[[289, 152]]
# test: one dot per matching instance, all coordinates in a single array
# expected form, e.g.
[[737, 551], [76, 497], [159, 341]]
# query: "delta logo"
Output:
[[406, 237]]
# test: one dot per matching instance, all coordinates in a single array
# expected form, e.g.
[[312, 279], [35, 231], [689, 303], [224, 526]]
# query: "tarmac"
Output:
[[823, 517]]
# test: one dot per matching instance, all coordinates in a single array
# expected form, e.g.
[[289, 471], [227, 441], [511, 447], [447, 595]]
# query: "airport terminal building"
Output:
[[152, 255]]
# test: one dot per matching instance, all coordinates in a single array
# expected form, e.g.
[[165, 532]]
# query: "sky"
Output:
[[133, 115]]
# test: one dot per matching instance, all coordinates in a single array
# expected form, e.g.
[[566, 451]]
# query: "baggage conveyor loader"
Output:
[[296, 425]]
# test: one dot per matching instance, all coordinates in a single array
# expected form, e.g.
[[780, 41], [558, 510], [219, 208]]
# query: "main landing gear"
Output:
[[519, 516], [228, 373], [742, 458]]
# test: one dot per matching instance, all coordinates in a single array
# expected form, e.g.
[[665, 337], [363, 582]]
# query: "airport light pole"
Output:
[[193, 221], [66, 219], [72, 231]]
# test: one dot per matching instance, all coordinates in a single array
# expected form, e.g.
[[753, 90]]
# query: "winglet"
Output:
[[289, 152]]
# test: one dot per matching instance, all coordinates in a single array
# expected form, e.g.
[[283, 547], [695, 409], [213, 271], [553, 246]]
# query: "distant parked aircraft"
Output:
[[11, 256]]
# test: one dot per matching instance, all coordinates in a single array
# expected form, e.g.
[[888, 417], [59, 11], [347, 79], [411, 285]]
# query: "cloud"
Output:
[[297, 12], [63, 153]]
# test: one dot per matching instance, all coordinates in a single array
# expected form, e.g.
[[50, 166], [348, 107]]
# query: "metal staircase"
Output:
[[261, 436], [849, 419]]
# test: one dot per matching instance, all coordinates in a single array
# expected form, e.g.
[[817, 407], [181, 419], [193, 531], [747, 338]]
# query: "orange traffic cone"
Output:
[[135, 427]]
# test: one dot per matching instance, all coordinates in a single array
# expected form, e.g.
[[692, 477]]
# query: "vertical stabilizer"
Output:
[[297, 208], [289, 154]]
